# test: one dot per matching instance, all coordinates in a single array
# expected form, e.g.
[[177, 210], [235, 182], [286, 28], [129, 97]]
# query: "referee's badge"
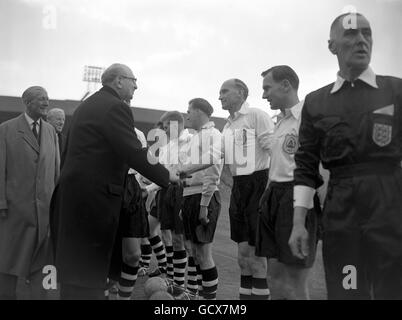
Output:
[[382, 134], [291, 144]]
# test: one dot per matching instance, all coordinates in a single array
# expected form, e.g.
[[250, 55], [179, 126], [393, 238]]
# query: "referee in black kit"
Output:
[[354, 126]]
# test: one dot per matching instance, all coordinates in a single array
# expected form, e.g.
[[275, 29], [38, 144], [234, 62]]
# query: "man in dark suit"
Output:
[[56, 117], [101, 145]]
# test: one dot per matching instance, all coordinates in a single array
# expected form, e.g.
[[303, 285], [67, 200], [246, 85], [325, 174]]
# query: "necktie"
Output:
[[35, 130]]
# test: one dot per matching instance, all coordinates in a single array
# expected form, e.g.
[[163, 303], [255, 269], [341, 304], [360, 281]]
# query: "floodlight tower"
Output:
[[92, 76]]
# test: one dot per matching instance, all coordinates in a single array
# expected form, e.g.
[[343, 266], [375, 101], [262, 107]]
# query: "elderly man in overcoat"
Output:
[[100, 147], [29, 169]]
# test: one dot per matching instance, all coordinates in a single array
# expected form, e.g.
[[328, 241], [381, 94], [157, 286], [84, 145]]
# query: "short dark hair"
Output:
[[280, 73], [203, 105]]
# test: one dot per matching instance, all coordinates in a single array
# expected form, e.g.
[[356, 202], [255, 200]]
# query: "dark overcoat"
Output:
[[101, 145]]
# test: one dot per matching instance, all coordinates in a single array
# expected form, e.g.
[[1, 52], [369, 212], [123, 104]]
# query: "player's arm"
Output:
[[211, 177], [264, 129], [213, 155]]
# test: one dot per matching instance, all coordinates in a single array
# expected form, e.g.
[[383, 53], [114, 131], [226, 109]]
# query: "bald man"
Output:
[[244, 129], [101, 146], [56, 117], [354, 127], [29, 169]]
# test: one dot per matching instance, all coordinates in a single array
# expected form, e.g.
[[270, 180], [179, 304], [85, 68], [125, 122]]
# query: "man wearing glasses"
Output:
[[100, 147]]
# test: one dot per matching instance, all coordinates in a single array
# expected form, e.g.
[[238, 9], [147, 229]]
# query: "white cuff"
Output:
[[303, 196]]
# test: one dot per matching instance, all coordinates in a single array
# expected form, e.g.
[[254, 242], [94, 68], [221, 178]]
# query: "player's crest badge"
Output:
[[291, 144], [382, 134]]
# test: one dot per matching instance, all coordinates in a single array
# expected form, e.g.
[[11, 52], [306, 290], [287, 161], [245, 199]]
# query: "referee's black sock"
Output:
[[210, 283], [260, 289], [159, 249], [127, 280], [169, 255], [246, 284]]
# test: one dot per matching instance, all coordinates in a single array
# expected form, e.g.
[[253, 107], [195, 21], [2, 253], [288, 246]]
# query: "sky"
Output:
[[182, 49]]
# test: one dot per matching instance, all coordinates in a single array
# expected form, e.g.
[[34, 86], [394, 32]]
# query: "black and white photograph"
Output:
[[227, 152]]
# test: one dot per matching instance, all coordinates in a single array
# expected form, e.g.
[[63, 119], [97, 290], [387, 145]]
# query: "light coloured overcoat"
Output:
[[28, 175]]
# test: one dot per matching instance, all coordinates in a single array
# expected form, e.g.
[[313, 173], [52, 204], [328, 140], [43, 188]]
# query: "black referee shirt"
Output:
[[355, 125]]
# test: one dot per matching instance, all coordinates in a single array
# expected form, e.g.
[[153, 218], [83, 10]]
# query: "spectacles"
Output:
[[130, 78]]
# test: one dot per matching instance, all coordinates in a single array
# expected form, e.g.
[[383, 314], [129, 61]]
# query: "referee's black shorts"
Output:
[[168, 203], [133, 216], [363, 232], [243, 209], [275, 223]]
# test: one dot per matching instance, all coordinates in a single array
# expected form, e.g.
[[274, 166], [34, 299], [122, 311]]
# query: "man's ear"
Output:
[[118, 82], [332, 47], [286, 85]]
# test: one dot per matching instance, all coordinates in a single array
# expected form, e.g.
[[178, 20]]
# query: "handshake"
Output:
[[175, 177], [178, 176], [186, 172]]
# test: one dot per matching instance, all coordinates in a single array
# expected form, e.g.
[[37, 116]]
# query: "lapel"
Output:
[[27, 134], [47, 141], [43, 140]]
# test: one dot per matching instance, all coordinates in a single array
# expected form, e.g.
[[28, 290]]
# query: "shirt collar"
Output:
[[368, 76], [208, 125], [30, 120], [294, 111], [244, 109]]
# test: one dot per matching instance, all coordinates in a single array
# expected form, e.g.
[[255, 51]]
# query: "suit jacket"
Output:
[[28, 175], [101, 145]]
